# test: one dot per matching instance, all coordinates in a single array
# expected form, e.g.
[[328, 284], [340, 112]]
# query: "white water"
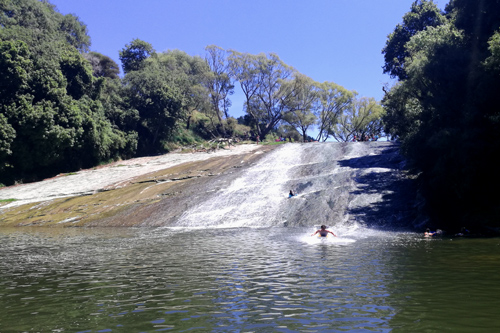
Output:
[[345, 185], [251, 200]]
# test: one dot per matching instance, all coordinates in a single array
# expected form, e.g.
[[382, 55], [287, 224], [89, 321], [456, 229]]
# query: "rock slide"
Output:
[[247, 186]]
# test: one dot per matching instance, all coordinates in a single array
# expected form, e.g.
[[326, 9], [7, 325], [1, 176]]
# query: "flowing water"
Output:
[[246, 280], [341, 183], [229, 264]]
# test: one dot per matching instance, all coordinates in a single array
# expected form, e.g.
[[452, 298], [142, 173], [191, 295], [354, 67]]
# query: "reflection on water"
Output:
[[245, 280]]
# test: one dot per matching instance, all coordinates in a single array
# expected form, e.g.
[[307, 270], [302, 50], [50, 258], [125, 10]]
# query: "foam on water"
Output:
[[346, 234], [326, 240]]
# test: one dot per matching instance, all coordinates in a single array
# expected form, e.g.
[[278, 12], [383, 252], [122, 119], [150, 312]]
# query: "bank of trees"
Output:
[[50, 111], [444, 107], [64, 107]]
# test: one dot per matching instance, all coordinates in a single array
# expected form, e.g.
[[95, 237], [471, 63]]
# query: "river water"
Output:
[[246, 280]]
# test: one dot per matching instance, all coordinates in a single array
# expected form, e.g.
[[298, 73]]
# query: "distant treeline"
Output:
[[64, 107], [445, 108]]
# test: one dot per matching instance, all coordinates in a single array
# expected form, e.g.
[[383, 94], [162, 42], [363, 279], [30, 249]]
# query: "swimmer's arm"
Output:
[[332, 233], [315, 233]]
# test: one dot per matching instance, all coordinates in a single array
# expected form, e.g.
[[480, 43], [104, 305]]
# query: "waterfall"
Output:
[[336, 184], [252, 200]]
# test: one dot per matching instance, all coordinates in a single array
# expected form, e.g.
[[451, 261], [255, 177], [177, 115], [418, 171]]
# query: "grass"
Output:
[[7, 200]]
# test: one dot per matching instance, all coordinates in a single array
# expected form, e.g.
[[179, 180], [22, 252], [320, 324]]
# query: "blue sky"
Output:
[[327, 40]]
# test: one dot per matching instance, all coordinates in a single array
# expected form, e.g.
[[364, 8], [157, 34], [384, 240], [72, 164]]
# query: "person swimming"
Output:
[[429, 233], [291, 194], [323, 232]]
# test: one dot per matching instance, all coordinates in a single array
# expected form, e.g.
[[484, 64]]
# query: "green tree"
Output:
[[218, 82], [273, 99], [75, 32], [477, 19], [244, 68], [159, 103], [52, 119], [423, 14], [77, 73], [102, 66], [362, 119], [15, 67], [289, 132], [188, 74], [38, 23], [333, 101], [123, 117], [303, 104], [445, 113], [133, 55], [7, 136], [402, 112], [263, 80], [492, 62]]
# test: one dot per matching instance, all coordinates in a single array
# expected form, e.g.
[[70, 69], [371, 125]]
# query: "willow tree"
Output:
[[333, 99], [244, 68], [362, 118], [275, 93], [264, 80], [218, 82], [302, 103]]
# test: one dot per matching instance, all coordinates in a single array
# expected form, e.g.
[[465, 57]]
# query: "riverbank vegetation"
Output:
[[64, 107], [445, 106]]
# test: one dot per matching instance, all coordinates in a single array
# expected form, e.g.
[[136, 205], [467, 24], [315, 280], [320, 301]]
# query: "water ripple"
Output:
[[220, 280]]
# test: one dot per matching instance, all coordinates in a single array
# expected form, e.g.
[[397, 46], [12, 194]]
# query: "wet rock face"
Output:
[[173, 198], [350, 183], [336, 183], [136, 198]]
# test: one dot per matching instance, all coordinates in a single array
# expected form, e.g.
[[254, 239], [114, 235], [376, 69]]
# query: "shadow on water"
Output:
[[384, 175]]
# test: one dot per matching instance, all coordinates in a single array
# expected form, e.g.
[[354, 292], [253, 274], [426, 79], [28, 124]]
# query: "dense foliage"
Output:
[[52, 119], [64, 107], [444, 107]]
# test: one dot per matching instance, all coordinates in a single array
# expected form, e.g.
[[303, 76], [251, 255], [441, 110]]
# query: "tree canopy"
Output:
[[423, 14], [52, 119], [445, 109], [134, 54]]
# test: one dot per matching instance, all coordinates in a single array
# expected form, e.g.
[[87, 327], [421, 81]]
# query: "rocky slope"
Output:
[[125, 193], [245, 186]]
